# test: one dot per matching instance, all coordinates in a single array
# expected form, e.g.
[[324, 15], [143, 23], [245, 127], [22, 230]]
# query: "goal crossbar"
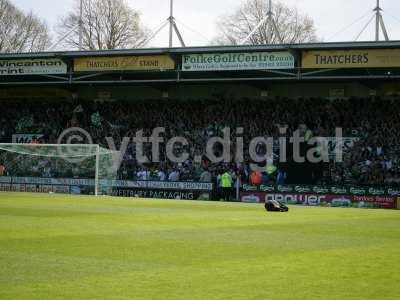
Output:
[[95, 152]]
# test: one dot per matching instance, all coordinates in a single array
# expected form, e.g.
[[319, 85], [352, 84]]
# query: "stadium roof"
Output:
[[205, 49], [385, 70]]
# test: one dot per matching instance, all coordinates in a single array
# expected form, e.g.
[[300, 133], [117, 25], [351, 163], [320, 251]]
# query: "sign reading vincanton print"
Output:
[[32, 67], [124, 63], [238, 61]]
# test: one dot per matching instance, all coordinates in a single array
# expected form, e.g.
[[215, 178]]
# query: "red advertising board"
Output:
[[320, 199]]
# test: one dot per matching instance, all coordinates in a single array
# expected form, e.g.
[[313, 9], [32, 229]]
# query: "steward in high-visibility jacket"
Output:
[[226, 183]]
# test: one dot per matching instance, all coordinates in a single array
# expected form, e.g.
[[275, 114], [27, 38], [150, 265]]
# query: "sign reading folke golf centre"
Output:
[[238, 61]]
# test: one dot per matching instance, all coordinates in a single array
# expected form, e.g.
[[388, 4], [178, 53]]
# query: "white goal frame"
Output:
[[96, 154]]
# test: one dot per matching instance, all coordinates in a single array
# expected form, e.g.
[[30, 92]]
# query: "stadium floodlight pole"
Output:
[[64, 37], [173, 27], [81, 26], [155, 32], [78, 27], [379, 23], [268, 19], [171, 23], [364, 28], [179, 35], [4, 37], [377, 10]]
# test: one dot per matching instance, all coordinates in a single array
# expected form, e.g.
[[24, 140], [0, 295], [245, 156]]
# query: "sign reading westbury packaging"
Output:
[[364, 58], [238, 61], [124, 63], [32, 67]]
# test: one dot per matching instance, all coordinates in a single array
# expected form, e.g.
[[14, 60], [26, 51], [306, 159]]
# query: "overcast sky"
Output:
[[196, 18]]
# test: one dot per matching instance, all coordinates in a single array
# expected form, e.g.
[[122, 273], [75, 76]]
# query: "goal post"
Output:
[[90, 165], [96, 179]]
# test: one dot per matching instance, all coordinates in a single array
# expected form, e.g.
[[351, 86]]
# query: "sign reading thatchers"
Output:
[[369, 58], [124, 63]]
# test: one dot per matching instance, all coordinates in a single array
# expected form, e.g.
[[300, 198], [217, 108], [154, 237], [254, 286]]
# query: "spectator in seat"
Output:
[[174, 176], [256, 178], [2, 169], [205, 176]]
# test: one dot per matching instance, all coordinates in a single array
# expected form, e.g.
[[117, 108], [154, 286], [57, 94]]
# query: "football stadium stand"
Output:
[[196, 92]]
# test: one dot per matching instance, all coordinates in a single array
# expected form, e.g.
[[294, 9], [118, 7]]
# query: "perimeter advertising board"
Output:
[[338, 196], [355, 196], [163, 190], [321, 199], [25, 138], [121, 188], [364, 58], [238, 61], [32, 67], [124, 63]]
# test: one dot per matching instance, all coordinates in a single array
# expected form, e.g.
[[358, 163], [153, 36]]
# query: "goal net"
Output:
[[76, 169]]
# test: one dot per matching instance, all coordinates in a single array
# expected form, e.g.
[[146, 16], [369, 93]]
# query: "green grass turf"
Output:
[[65, 247]]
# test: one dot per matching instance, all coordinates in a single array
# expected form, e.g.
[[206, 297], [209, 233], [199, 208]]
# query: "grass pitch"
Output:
[[65, 247]]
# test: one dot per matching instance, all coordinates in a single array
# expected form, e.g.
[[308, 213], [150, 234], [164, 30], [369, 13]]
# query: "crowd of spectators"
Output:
[[372, 123]]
